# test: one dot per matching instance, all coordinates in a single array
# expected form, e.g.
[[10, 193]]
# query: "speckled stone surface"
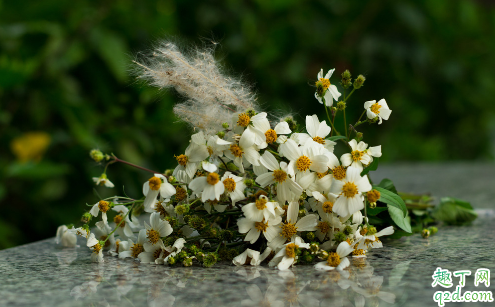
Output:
[[44, 274]]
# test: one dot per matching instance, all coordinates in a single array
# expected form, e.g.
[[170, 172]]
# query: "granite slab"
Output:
[[44, 274]]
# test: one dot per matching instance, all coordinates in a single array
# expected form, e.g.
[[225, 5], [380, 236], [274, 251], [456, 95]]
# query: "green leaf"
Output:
[[375, 211], [388, 185], [454, 211], [392, 199], [336, 137], [400, 220], [372, 167]]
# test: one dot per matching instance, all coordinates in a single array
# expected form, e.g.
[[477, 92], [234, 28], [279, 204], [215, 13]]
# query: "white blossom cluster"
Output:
[[246, 189]]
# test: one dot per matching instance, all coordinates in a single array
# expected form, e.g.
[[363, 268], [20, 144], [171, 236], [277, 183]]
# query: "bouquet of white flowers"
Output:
[[249, 188]]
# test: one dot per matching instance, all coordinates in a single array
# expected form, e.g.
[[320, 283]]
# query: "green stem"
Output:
[[326, 109], [349, 94], [118, 225], [131, 164], [345, 125]]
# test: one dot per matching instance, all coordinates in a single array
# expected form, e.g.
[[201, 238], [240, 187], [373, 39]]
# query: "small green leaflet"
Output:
[[396, 208], [372, 167], [454, 211]]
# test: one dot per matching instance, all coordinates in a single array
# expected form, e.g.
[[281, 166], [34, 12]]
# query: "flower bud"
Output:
[[187, 262], [341, 105], [225, 125], [359, 81], [209, 260], [425, 233], [221, 134], [347, 230], [433, 230], [251, 113], [359, 136], [86, 218], [249, 183], [96, 155], [168, 172], [314, 247], [339, 237], [310, 236], [371, 230], [346, 79], [172, 260]]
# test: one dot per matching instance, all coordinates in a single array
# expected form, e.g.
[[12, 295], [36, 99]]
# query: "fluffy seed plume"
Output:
[[211, 97]]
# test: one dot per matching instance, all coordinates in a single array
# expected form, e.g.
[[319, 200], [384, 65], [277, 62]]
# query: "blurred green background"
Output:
[[65, 86]]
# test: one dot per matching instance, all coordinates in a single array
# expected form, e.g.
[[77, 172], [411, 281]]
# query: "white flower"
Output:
[[79, 232], [252, 255], [196, 152], [360, 155], [373, 241], [103, 207], [286, 256], [131, 249], [102, 231], [158, 228], [126, 225], [331, 92], [307, 157], [380, 109], [261, 123], [288, 230], [336, 260], [269, 228], [349, 191], [287, 189], [317, 131], [94, 244], [260, 209], [155, 186], [103, 180], [151, 253], [67, 238], [246, 151], [210, 187], [171, 251], [234, 186]]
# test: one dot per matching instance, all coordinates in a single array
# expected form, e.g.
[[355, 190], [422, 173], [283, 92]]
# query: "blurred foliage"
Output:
[[65, 86]]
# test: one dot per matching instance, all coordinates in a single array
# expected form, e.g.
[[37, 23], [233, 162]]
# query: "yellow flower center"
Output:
[[349, 189], [104, 206], [117, 219], [333, 259], [357, 155], [325, 83], [96, 248], [339, 172], [265, 303], [260, 226], [327, 207], [243, 120], [363, 231], [157, 253], [229, 184], [303, 163], [279, 175], [318, 139], [182, 159], [180, 193], [375, 108], [236, 150], [155, 183], [153, 236], [261, 203], [323, 226], [290, 250], [271, 136], [321, 175], [373, 196], [210, 150], [288, 230], [359, 252], [212, 178], [136, 249], [160, 209]]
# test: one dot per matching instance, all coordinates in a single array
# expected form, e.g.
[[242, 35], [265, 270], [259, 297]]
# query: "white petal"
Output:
[[346, 159], [282, 128], [312, 125], [293, 212], [269, 161], [307, 223]]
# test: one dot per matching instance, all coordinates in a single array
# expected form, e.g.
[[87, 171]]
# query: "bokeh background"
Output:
[[65, 86]]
